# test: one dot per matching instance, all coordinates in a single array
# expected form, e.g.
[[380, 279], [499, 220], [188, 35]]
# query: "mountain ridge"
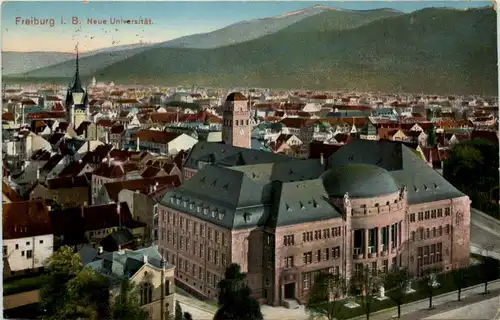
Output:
[[429, 50]]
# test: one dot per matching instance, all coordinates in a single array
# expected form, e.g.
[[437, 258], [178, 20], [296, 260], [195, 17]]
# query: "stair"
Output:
[[290, 304]]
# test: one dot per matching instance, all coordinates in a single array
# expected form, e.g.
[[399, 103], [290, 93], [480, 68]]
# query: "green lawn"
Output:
[[23, 284], [473, 277]]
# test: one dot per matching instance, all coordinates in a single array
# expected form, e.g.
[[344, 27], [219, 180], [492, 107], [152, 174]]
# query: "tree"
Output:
[[459, 276], [235, 297], [88, 294], [428, 283], [472, 167], [366, 283], [489, 271], [325, 294], [178, 311], [396, 282], [187, 316], [126, 304], [62, 266]]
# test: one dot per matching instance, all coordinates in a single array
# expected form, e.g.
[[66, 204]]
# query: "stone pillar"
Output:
[[366, 238], [379, 240], [389, 240]]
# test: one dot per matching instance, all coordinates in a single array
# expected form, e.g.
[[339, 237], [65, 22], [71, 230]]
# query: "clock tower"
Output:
[[236, 128]]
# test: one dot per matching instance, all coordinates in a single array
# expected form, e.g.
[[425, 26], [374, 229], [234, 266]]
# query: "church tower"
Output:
[[236, 127], [76, 103]]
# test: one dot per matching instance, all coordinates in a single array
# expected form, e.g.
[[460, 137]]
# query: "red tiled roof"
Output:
[[28, 102], [150, 172], [141, 185], [25, 219], [8, 116], [46, 115], [157, 136], [10, 193]]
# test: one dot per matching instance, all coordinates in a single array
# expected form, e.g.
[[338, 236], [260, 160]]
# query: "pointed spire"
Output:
[[77, 82]]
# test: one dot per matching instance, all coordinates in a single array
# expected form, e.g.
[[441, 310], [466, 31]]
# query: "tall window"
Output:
[[146, 293], [167, 287]]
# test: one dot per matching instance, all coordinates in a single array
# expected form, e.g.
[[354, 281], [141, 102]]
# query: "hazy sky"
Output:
[[170, 20]]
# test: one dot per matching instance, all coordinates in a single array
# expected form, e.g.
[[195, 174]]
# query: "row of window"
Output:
[[214, 212], [198, 272], [28, 243], [228, 122], [319, 255], [321, 234], [309, 277], [198, 249], [430, 254], [195, 228], [432, 214], [422, 234]]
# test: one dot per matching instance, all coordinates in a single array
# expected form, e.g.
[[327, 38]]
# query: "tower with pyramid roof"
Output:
[[76, 103]]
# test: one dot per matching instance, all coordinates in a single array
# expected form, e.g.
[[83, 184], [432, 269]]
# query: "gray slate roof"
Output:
[[424, 184], [247, 196], [359, 180], [117, 265], [228, 155]]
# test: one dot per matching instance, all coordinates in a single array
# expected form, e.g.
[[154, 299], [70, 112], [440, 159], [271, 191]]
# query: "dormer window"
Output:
[[198, 208], [221, 216], [178, 201], [172, 199], [191, 206], [214, 213], [205, 211], [185, 203], [247, 216]]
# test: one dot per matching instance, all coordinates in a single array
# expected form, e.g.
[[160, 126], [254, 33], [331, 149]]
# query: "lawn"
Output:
[[473, 277], [13, 286]]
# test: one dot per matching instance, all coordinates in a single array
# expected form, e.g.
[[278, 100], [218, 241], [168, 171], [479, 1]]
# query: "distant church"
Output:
[[76, 104]]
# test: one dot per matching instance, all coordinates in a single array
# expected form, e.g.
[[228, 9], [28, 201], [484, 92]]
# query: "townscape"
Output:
[[151, 201]]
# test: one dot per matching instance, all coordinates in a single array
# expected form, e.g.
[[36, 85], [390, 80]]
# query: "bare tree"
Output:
[[488, 267], [429, 283], [366, 283], [396, 282], [325, 294], [459, 279]]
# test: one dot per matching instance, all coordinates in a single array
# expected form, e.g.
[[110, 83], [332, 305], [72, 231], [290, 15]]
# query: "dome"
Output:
[[236, 96], [359, 180]]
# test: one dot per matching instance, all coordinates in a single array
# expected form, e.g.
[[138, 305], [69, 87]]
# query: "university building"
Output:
[[282, 219]]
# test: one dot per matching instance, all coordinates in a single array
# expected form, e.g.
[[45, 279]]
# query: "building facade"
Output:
[[283, 220], [236, 128]]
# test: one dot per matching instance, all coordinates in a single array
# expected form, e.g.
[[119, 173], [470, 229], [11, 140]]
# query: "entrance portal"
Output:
[[290, 291]]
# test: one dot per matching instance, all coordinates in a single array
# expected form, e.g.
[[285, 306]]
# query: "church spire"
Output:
[[77, 82]]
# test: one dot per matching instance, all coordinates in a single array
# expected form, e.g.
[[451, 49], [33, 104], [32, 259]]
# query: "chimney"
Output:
[[145, 257], [137, 143], [321, 159]]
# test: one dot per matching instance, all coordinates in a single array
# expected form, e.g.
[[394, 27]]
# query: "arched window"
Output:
[[146, 293], [167, 287]]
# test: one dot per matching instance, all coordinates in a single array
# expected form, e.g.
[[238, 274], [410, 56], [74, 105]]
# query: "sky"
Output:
[[169, 20]]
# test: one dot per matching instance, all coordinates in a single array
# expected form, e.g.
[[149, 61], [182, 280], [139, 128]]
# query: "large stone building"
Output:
[[284, 219]]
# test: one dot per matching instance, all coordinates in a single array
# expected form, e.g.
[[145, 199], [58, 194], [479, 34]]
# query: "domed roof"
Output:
[[360, 180], [236, 96]]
